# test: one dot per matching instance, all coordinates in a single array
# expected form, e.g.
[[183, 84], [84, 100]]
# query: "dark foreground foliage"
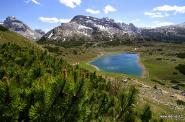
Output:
[[180, 55], [34, 87], [181, 68], [2, 28]]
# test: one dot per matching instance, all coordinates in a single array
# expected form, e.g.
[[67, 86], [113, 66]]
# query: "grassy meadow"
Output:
[[159, 60]]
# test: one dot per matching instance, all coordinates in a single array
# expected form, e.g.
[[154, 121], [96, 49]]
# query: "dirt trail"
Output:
[[164, 92]]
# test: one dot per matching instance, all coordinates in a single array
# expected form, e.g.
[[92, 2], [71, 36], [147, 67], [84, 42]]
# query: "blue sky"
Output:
[[46, 14]]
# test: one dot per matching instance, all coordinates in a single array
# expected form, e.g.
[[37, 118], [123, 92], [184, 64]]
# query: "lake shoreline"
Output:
[[144, 72], [98, 69]]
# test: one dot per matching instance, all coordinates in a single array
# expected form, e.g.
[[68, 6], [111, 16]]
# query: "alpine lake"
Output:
[[125, 63]]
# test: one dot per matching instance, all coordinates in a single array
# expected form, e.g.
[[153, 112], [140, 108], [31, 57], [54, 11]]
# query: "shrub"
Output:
[[180, 102], [2, 72], [159, 82], [175, 73], [175, 87], [181, 68], [37, 91], [180, 55], [75, 52], [20, 61], [158, 58], [146, 115], [174, 81]]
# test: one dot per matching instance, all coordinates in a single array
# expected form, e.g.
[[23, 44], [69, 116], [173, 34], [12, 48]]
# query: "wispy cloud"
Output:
[[33, 1], [109, 9], [53, 20], [165, 11], [168, 8], [92, 11], [156, 14], [70, 3]]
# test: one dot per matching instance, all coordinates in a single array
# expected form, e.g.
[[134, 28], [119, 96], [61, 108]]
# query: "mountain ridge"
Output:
[[97, 29], [21, 28], [105, 28], [90, 27]]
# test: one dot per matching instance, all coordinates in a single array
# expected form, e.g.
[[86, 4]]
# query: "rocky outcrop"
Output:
[[91, 27], [171, 33], [19, 27], [106, 29]]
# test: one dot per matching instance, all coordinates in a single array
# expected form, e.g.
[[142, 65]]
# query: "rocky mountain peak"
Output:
[[109, 30], [101, 24], [11, 18], [108, 19], [16, 25], [40, 31], [20, 27], [90, 27], [133, 27]]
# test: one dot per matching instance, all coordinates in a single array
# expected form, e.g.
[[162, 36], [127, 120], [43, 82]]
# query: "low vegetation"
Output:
[[181, 68], [37, 86], [162, 85], [180, 55], [3, 28]]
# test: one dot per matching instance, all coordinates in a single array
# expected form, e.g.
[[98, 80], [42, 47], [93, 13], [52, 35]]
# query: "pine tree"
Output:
[[147, 114]]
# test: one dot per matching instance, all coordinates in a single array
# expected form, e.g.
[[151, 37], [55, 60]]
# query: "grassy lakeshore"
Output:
[[144, 84], [158, 60]]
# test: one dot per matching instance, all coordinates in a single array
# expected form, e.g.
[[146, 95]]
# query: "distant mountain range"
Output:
[[174, 33], [100, 29], [92, 29], [18, 26]]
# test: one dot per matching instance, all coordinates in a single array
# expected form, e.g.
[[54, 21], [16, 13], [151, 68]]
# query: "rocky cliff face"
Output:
[[87, 26], [104, 24], [106, 29], [40, 31], [18, 26], [167, 33]]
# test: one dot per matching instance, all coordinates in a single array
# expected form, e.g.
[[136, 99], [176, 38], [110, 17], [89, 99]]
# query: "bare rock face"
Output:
[[106, 29], [170, 33], [87, 26], [18, 26], [40, 31]]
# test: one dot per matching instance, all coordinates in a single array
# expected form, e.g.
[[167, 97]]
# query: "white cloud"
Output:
[[109, 9], [168, 8], [53, 20], [36, 2], [92, 11], [71, 3], [165, 11], [156, 14], [33, 1]]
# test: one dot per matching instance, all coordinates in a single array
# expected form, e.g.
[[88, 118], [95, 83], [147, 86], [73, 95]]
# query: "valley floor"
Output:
[[162, 85]]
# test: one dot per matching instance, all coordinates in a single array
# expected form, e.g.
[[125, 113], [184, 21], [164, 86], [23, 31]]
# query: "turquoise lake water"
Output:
[[120, 63]]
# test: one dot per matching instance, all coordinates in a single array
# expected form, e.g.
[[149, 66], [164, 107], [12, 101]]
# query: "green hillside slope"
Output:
[[12, 37], [36, 86]]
